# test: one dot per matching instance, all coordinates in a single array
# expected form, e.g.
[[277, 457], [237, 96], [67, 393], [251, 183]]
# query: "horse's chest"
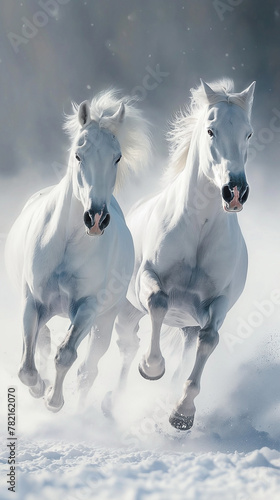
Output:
[[102, 273], [205, 270], [80, 274], [185, 283], [192, 284]]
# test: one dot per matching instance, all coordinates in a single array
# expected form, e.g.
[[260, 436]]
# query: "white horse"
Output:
[[190, 255], [70, 249]]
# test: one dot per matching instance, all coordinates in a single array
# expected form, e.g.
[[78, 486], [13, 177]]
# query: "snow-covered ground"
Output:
[[233, 450], [54, 470]]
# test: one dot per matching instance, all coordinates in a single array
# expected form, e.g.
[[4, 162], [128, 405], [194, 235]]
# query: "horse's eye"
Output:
[[210, 132], [119, 159], [77, 157], [249, 136]]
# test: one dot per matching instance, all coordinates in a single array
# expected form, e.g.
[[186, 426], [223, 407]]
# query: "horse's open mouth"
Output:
[[234, 208], [95, 231]]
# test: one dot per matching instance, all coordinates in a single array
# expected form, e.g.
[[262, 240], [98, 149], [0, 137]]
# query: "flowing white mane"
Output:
[[132, 133], [181, 128]]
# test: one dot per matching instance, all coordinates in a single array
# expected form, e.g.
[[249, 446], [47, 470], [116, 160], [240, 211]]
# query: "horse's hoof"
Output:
[[149, 377], [54, 408], [38, 390], [107, 405], [152, 372], [181, 422]]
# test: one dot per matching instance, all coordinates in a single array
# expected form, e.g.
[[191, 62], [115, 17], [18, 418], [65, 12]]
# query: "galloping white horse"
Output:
[[190, 255], [70, 249]]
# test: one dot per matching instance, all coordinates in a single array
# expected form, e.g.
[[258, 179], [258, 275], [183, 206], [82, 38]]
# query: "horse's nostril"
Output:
[[88, 219], [227, 193], [105, 221], [244, 196]]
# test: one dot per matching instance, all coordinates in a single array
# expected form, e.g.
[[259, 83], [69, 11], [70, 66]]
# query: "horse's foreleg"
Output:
[[183, 416], [189, 335], [44, 346], [28, 373], [152, 365], [127, 326], [44, 351], [99, 341], [67, 352]]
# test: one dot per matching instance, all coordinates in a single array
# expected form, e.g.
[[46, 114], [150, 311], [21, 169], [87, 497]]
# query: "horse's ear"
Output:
[[119, 115], [208, 91], [115, 119], [84, 113], [248, 96]]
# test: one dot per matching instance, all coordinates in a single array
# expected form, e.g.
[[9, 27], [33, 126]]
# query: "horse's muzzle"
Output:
[[234, 198], [96, 222]]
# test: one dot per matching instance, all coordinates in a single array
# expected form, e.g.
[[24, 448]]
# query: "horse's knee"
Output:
[[209, 338], [65, 356], [158, 301]]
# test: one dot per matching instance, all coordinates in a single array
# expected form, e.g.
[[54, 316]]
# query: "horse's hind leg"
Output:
[[189, 337], [28, 373], [127, 326], [152, 366], [44, 343], [99, 341], [44, 350]]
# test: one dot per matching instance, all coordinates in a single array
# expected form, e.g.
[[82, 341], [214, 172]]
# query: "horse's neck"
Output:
[[64, 192], [198, 198], [73, 205], [61, 204]]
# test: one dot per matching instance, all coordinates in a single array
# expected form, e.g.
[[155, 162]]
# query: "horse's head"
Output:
[[95, 159], [226, 131], [110, 138]]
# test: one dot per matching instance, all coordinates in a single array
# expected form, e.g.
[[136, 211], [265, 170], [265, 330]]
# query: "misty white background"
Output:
[[85, 47]]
